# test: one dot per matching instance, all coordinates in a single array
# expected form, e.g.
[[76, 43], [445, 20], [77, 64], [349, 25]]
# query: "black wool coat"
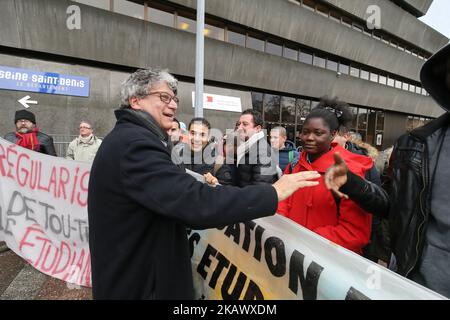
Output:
[[139, 206]]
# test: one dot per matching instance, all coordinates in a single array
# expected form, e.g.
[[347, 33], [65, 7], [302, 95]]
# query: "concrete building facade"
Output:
[[277, 56]]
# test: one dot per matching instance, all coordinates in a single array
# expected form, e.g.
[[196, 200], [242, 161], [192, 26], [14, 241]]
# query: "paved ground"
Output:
[[20, 281]]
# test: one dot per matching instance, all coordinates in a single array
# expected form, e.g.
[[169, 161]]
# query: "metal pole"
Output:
[[199, 57]]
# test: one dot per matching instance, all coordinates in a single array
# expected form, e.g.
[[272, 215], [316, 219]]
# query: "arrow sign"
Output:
[[24, 101]]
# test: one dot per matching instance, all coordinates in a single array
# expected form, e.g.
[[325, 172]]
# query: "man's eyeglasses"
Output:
[[84, 127], [165, 97]]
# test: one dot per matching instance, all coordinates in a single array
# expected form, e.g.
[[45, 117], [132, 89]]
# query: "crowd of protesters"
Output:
[[390, 207]]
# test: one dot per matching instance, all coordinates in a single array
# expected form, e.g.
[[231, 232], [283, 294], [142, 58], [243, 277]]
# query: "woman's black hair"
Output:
[[334, 112], [203, 121]]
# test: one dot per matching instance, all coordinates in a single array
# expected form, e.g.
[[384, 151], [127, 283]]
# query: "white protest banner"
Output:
[[43, 219], [275, 258], [43, 212]]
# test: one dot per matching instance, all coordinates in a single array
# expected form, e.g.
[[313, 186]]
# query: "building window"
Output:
[[236, 38], [102, 4], [309, 4], [373, 77], [257, 101], [287, 110], [354, 118], [271, 108], [161, 17], [129, 9], [391, 82], [214, 32], [332, 65], [303, 109], [405, 86], [362, 119], [354, 72], [254, 43], [343, 68], [274, 49], [186, 24], [383, 80], [412, 88], [305, 57], [380, 121], [398, 84], [364, 75], [319, 62], [290, 53], [322, 10], [418, 90]]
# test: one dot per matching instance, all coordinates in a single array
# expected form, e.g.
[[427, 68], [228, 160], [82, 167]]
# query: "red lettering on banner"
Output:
[[52, 182], [39, 172], [46, 241], [55, 256], [84, 189], [20, 169], [74, 187], [2, 157], [61, 254], [34, 175], [10, 150], [63, 181]]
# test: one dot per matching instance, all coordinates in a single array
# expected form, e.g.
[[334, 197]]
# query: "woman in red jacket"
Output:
[[315, 208]]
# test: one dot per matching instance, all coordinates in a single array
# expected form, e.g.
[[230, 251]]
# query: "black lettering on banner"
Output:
[[258, 239], [253, 292], [195, 238], [353, 294], [222, 263], [210, 251], [249, 225], [234, 231], [309, 283], [277, 268], [238, 287]]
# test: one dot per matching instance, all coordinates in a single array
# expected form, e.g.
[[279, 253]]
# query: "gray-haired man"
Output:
[[140, 203]]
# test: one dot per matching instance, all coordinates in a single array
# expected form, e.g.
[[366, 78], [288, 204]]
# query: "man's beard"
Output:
[[24, 130]]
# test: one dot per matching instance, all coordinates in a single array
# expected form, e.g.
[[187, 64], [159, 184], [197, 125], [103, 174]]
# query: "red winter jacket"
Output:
[[315, 207]]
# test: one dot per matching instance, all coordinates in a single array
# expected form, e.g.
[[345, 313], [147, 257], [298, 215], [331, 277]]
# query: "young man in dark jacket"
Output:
[[27, 134], [256, 163], [418, 184], [140, 202]]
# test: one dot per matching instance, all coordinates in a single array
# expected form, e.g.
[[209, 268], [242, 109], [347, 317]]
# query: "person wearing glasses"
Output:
[[85, 146], [140, 202], [27, 134]]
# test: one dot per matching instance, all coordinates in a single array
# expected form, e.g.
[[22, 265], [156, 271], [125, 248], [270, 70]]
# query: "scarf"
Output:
[[87, 140], [28, 140], [243, 148]]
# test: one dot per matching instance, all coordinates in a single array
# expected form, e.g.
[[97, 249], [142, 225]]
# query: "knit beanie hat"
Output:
[[24, 114]]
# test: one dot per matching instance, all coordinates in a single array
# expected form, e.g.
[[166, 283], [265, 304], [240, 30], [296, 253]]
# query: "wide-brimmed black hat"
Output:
[[435, 77]]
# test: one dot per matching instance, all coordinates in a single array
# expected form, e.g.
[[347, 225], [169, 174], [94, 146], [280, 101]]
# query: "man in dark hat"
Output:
[[418, 181], [27, 134]]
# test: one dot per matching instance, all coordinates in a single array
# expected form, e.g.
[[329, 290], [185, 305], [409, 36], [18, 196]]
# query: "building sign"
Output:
[[221, 103], [43, 82]]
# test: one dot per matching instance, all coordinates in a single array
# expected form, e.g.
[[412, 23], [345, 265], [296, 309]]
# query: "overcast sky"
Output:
[[438, 17]]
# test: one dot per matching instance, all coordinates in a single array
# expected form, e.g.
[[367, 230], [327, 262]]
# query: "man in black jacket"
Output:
[[418, 184], [140, 202], [256, 163], [27, 134]]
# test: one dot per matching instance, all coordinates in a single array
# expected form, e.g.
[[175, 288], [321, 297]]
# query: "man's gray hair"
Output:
[[281, 130], [140, 82]]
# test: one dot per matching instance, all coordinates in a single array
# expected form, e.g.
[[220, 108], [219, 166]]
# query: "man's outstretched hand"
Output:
[[289, 183], [336, 176]]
